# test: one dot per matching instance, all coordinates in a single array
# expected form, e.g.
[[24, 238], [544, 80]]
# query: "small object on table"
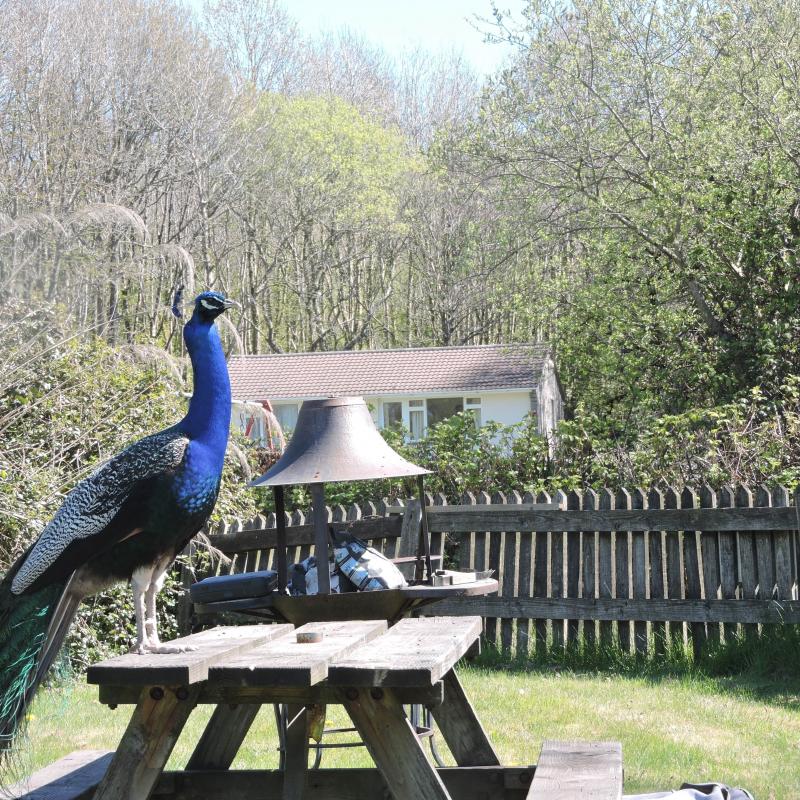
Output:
[[309, 637], [449, 577]]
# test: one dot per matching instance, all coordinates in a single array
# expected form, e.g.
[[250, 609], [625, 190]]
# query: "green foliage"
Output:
[[333, 155], [753, 440]]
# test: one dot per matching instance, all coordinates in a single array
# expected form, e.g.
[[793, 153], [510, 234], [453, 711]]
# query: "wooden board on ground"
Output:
[[72, 777], [285, 662], [415, 652], [578, 771], [182, 669]]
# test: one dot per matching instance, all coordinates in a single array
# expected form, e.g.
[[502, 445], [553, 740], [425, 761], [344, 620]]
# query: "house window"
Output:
[[473, 406], [392, 414], [440, 408], [287, 416], [416, 419]]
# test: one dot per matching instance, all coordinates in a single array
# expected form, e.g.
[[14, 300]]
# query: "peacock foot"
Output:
[[156, 648], [164, 649]]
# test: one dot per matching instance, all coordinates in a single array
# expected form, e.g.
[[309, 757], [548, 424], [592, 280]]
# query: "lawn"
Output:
[[741, 731]]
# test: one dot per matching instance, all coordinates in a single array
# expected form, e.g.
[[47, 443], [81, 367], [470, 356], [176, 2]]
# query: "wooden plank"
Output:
[[783, 550], [508, 588], [605, 586], [223, 736], [286, 662], [588, 567], [728, 568], [415, 652], [656, 552], [639, 573], [461, 728], [539, 580], [709, 548], [464, 783], [510, 518], [397, 752], [578, 771], [320, 694], [557, 547], [691, 565], [524, 589], [495, 539], [573, 573], [673, 567], [622, 590], [183, 669], [466, 538], [73, 777], [746, 558], [732, 611], [147, 743], [243, 541], [765, 558], [295, 769]]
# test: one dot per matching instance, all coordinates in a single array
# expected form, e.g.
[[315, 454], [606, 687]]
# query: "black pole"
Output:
[[424, 532], [321, 536], [280, 524]]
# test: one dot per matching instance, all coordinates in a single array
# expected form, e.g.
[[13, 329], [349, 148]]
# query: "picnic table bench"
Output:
[[370, 669]]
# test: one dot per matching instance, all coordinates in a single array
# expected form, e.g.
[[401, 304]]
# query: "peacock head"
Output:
[[209, 305]]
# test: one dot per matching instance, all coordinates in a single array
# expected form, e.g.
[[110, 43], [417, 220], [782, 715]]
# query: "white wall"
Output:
[[507, 408]]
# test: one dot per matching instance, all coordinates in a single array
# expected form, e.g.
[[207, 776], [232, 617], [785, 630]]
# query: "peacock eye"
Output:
[[209, 306]]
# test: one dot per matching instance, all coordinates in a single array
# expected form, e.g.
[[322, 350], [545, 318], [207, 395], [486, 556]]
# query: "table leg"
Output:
[[295, 774], [223, 736], [461, 727], [378, 715], [155, 726]]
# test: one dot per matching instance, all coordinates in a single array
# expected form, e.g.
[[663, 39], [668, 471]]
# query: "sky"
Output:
[[398, 25], [395, 25]]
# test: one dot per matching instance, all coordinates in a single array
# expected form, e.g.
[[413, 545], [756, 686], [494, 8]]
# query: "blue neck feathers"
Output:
[[209, 415]]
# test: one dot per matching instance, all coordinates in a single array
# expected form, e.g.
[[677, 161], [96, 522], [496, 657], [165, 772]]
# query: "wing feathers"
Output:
[[94, 502]]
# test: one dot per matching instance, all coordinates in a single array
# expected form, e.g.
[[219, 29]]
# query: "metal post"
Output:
[[424, 532], [321, 536], [280, 524]]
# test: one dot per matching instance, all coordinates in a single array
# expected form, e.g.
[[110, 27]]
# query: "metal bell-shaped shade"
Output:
[[336, 440]]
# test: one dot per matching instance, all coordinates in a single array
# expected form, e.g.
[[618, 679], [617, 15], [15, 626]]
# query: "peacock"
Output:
[[126, 521]]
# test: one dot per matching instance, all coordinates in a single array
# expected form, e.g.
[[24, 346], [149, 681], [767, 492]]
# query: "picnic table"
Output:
[[370, 669]]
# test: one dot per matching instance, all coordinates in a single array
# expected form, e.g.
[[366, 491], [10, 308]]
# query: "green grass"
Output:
[[744, 731]]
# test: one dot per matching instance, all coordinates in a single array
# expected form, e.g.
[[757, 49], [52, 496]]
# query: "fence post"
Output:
[[691, 563], [574, 500], [639, 572], [674, 568], [709, 550], [539, 575], [509, 590], [557, 590], [746, 556], [728, 564], [588, 557], [783, 549], [604, 561], [466, 539], [656, 547], [622, 590]]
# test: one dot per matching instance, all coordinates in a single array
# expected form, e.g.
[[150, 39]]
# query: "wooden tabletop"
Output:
[[414, 652]]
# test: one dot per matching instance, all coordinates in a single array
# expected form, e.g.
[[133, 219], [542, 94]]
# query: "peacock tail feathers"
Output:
[[32, 628]]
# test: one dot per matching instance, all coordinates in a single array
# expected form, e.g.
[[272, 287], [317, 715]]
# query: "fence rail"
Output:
[[638, 568]]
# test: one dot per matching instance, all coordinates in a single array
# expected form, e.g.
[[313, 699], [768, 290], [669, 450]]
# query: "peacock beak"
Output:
[[228, 303]]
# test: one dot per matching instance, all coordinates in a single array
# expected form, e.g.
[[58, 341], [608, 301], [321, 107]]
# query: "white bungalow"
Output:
[[415, 387]]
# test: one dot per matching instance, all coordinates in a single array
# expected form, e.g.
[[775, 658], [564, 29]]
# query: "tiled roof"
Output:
[[416, 370]]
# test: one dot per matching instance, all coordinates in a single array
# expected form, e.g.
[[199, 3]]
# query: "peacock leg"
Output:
[[157, 578], [139, 582]]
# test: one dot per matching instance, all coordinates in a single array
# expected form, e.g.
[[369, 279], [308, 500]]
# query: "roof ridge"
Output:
[[509, 345]]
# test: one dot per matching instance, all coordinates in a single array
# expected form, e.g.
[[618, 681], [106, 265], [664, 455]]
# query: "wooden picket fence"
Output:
[[639, 568]]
